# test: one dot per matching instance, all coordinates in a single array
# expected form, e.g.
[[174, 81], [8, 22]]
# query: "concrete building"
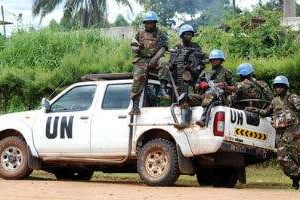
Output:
[[119, 32], [289, 15]]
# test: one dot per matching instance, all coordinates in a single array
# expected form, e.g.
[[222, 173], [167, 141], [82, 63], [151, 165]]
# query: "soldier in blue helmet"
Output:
[[148, 46], [250, 91], [187, 59], [222, 80], [285, 112]]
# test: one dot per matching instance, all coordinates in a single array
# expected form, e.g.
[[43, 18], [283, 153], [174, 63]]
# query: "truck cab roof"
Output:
[[113, 76]]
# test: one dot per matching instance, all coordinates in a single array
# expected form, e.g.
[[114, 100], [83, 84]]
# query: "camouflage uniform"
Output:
[[285, 119], [218, 75], [152, 41], [187, 64], [251, 89]]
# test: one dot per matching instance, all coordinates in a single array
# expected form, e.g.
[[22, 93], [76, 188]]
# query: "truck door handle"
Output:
[[122, 116], [84, 117]]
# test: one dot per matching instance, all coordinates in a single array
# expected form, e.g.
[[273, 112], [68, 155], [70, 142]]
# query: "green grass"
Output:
[[257, 178], [267, 178]]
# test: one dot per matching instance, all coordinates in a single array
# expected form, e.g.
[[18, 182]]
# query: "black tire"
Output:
[[204, 176], [157, 163], [226, 177], [14, 158], [74, 174]]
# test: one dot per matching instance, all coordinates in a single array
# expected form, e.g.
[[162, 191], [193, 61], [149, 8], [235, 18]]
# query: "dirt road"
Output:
[[65, 190]]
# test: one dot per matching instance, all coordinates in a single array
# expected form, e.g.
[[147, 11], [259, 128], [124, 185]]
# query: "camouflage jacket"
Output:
[[251, 89], [192, 54], [218, 75], [222, 75], [285, 110], [189, 58], [151, 42]]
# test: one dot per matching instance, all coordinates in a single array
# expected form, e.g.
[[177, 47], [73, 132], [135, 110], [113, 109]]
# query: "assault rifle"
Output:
[[212, 86]]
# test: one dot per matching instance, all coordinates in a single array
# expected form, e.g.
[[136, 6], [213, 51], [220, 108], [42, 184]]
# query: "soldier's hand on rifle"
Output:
[[202, 85], [222, 85], [136, 46]]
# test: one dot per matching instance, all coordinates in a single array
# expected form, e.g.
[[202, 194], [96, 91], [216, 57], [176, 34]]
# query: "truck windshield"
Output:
[[77, 99]]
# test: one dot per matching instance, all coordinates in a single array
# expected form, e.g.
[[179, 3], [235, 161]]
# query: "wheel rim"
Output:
[[11, 158], [156, 163]]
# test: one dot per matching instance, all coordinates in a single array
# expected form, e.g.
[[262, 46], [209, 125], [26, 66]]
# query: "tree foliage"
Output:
[[214, 13], [213, 10], [120, 21], [256, 34], [84, 12]]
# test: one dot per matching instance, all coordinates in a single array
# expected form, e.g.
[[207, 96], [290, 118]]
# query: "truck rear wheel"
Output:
[[157, 163], [14, 158], [74, 174], [204, 176], [226, 177]]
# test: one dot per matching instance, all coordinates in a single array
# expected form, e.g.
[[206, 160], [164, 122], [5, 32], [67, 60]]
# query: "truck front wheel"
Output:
[[157, 163], [14, 158]]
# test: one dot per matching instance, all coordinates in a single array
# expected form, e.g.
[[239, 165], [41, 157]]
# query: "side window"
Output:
[[77, 99], [117, 96]]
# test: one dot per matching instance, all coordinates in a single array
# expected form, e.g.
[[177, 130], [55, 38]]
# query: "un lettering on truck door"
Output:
[[66, 127]]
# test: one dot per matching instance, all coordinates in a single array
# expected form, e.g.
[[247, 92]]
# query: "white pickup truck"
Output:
[[87, 128]]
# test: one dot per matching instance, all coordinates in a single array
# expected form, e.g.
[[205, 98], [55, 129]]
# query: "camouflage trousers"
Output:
[[203, 100], [288, 151], [141, 70]]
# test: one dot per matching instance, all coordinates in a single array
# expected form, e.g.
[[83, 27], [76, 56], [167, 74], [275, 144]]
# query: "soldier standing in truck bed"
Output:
[[187, 60], [148, 46], [220, 78]]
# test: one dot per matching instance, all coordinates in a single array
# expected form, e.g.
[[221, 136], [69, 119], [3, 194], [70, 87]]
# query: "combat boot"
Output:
[[162, 90], [135, 110], [202, 120], [295, 184]]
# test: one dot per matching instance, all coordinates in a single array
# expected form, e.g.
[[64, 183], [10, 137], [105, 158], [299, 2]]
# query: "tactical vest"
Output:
[[150, 43], [284, 114]]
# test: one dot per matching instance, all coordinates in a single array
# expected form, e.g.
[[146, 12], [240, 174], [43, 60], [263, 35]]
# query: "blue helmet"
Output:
[[150, 16], [244, 69], [186, 28], [216, 54], [281, 80]]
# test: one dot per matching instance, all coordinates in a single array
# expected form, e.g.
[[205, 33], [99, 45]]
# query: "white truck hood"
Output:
[[27, 117]]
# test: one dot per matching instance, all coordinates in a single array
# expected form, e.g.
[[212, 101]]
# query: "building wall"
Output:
[[126, 32], [289, 8], [293, 22]]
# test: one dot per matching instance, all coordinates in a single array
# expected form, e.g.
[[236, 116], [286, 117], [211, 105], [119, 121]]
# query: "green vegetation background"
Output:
[[36, 63]]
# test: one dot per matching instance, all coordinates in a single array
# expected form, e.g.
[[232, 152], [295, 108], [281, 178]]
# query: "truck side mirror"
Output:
[[45, 105]]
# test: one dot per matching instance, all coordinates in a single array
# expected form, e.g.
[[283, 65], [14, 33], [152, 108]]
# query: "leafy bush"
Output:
[[256, 34], [37, 63]]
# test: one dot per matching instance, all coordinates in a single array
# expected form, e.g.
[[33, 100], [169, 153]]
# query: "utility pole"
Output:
[[234, 8], [289, 8], [4, 30], [147, 5]]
